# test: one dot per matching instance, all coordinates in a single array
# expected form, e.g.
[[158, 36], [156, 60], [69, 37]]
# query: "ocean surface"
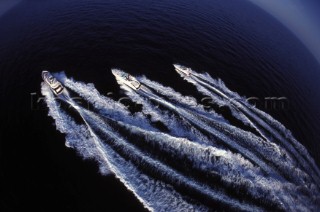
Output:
[[232, 40]]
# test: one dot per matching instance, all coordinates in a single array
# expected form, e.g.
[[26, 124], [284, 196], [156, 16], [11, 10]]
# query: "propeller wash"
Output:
[[197, 161]]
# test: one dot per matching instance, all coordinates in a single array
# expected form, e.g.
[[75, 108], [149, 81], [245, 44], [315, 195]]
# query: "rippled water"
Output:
[[249, 50]]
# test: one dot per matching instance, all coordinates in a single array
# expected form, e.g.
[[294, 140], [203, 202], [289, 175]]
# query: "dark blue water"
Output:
[[248, 49]]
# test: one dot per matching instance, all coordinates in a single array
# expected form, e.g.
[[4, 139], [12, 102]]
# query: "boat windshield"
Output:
[[51, 79], [125, 76]]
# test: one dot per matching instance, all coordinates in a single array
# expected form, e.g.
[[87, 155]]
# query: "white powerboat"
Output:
[[56, 87], [126, 79], [182, 70]]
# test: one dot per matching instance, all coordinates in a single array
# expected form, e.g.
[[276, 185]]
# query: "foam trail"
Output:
[[187, 102], [103, 104], [153, 194], [170, 174], [88, 89], [117, 111], [210, 130], [129, 163], [93, 122], [162, 140], [206, 85], [76, 135], [270, 189], [177, 127], [233, 168], [269, 151], [191, 104], [239, 165], [81, 87]]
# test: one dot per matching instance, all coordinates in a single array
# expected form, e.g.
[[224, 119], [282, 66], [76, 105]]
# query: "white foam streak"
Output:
[[216, 133], [105, 105], [259, 120], [184, 101], [128, 146], [269, 151], [167, 172], [153, 194], [178, 128], [233, 169]]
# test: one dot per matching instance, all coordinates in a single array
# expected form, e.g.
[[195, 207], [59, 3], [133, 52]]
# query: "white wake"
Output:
[[202, 162]]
